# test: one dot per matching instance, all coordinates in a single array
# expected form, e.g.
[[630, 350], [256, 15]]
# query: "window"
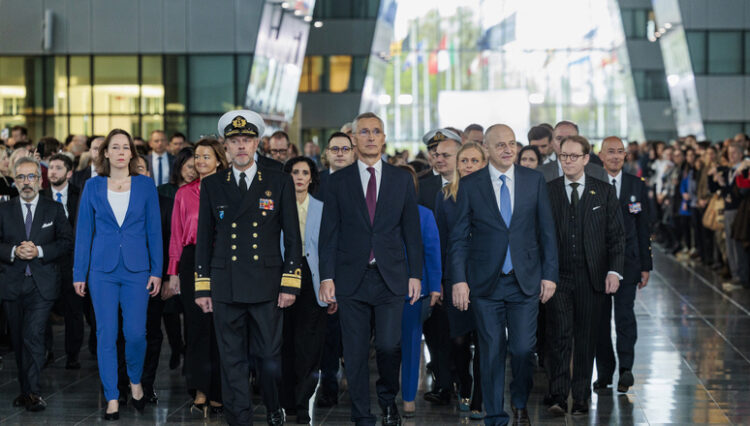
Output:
[[650, 84], [718, 131], [244, 65], [116, 88], [725, 52], [340, 69], [635, 22], [696, 41], [211, 83], [312, 73], [80, 85], [346, 9]]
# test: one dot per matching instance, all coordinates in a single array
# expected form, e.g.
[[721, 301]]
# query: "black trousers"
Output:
[[372, 300], [27, 319], [625, 327], [154, 339], [436, 330], [202, 366], [569, 316], [73, 308], [302, 346], [330, 360], [245, 330]]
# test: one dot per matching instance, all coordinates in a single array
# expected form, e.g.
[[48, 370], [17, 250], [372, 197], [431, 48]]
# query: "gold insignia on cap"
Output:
[[439, 136], [268, 193], [239, 121]]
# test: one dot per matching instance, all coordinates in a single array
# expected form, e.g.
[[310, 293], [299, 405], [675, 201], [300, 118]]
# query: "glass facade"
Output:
[[431, 60], [61, 95], [334, 74], [718, 52]]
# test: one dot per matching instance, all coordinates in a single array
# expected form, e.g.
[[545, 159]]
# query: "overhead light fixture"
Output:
[[384, 99], [297, 12], [318, 24], [285, 5], [673, 80], [308, 18], [405, 99], [668, 25], [536, 98]]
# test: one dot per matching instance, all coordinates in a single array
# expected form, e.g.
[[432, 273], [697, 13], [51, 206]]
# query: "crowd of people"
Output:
[[269, 269]]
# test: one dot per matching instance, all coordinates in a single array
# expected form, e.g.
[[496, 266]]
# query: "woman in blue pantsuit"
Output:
[[411, 323], [119, 250]]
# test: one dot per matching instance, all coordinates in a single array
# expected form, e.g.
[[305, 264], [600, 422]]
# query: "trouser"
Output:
[[329, 362], [411, 345], [506, 308], [126, 290], [245, 330], [625, 328], [202, 362], [302, 346], [154, 339], [736, 255], [73, 307], [569, 318], [372, 300], [27, 319], [437, 339]]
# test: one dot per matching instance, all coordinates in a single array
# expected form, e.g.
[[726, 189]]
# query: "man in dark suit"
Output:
[[340, 154], [242, 212], [34, 234], [81, 176], [552, 169], [268, 163], [442, 145], [591, 243], [160, 159], [633, 196], [59, 172], [370, 259], [503, 260]]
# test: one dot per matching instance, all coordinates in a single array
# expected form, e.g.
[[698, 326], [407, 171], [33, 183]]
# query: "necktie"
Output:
[[159, 175], [243, 183], [58, 197], [574, 194], [614, 183], [27, 223], [506, 213], [371, 200]]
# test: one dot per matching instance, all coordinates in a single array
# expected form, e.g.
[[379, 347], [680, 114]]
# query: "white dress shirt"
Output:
[[249, 174], [164, 178], [119, 202], [618, 182], [93, 170], [569, 190], [364, 176], [497, 184], [34, 203], [64, 197]]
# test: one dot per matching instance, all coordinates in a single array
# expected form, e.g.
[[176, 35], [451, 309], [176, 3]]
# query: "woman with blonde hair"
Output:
[[469, 158]]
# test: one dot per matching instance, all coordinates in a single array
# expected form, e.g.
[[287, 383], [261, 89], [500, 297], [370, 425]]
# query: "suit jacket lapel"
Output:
[[516, 195], [488, 190], [105, 200], [588, 199], [36, 223], [624, 189], [385, 179], [356, 183]]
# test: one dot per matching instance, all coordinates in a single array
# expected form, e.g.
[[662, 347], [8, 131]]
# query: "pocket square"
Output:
[[47, 225], [595, 208]]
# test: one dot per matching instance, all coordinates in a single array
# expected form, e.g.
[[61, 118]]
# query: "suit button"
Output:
[[255, 235], [234, 247], [255, 246], [234, 236], [255, 224], [255, 257], [234, 258], [234, 225]]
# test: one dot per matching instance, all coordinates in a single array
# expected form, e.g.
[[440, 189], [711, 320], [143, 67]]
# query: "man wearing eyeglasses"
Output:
[[553, 168], [591, 243], [279, 146], [339, 153], [34, 234]]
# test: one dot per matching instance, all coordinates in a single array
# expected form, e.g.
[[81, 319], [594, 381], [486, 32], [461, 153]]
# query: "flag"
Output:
[[432, 63]]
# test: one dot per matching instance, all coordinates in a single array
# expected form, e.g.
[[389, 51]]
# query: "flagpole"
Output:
[[426, 90], [414, 83], [396, 93]]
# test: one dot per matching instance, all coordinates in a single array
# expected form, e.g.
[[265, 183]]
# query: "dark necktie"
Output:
[[243, 183], [27, 223], [574, 194], [371, 199], [159, 174], [614, 183]]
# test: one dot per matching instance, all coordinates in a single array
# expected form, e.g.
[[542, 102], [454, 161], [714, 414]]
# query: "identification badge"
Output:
[[266, 204], [634, 207]]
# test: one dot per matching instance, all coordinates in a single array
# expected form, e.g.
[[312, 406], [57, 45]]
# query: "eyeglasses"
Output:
[[336, 150], [277, 151], [573, 157], [367, 132], [30, 177]]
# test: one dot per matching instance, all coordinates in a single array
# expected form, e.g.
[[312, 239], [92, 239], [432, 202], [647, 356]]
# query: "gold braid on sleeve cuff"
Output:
[[292, 280], [202, 283]]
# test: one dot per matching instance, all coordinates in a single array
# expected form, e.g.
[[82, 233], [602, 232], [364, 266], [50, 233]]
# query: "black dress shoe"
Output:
[[438, 397], [275, 418], [150, 396], [139, 404], [548, 400], [626, 381], [391, 417], [21, 400], [49, 359], [558, 409], [602, 384], [579, 409], [521, 417], [325, 401], [72, 364], [35, 403], [111, 416], [303, 417], [174, 360]]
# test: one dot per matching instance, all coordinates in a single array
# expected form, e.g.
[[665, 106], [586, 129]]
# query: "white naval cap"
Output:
[[439, 135], [241, 122]]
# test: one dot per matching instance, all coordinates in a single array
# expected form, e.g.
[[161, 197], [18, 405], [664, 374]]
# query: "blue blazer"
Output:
[[100, 242], [310, 250], [347, 236], [479, 239], [432, 274]]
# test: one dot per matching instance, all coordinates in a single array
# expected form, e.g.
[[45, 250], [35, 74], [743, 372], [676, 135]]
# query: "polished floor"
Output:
[[692, 367]]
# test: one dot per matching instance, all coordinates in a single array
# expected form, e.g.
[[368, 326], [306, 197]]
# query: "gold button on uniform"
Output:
[[234, 247], [234, 225], [234, 236], [255, 235], [255, 257], [255, 246], [234, 258], [255, 224]]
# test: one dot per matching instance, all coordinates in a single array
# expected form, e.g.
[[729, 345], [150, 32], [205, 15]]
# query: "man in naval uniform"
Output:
[[240, 274]]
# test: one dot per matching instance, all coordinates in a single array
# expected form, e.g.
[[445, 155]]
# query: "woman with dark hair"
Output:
[[529, 156], [202, 368], [182, 172], [304, 321], [414, 315], [119, 247]]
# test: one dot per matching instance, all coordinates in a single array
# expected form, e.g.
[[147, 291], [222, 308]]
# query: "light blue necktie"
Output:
[[505, 212], [159, 175]]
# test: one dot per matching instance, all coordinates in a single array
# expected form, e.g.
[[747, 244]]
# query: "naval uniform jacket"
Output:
[[238, 254]]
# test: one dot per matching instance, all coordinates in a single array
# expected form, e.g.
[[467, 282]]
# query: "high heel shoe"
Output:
[[217, 409], [139, 404], [200, 408], [112, 416]]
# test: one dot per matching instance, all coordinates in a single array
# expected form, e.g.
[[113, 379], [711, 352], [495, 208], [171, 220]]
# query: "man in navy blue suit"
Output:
[[503, 260], [370, 259]]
